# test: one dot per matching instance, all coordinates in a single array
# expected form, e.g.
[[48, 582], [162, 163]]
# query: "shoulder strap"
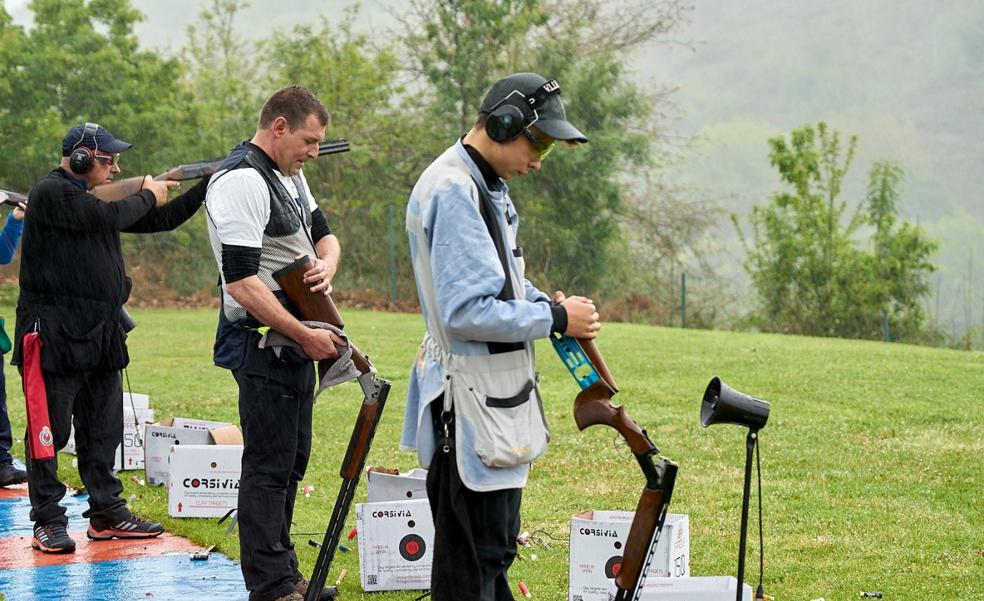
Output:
[[487, 210]]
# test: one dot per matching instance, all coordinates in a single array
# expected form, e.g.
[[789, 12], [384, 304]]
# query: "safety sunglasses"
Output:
[[539, 146], [110, 160]]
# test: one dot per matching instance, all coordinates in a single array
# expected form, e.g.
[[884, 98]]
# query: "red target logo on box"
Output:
[[412, 547]]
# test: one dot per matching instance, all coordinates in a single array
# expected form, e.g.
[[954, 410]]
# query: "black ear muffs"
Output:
[[81, 160], [505, 123], [516, 112]]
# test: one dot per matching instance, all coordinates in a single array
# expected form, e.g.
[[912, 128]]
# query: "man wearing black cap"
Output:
[[73, 285], [474, 412]]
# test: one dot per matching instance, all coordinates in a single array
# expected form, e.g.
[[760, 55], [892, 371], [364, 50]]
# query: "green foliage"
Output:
[[81, 62], [572, 210], [810, 275]]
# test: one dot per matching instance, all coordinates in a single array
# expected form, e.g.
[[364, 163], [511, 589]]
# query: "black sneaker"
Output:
[[52, 538], [129, 527], [11, 474]]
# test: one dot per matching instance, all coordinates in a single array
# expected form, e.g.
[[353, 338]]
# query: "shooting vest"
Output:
[[286, 234], [497, 406]]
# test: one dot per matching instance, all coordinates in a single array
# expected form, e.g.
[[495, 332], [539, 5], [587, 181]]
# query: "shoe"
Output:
[[130, 527], [294, 596], [52, 538], [11, 474], [329, 593]]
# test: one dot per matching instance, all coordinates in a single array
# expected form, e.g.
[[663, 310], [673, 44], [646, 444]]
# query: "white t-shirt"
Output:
[[238, 207]]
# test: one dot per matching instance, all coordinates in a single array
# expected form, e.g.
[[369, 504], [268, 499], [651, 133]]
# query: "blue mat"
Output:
[[167, 578], [15, 515]]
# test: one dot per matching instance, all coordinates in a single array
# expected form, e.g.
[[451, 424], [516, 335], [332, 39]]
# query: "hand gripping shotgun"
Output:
[[317, 306], [592, 407]]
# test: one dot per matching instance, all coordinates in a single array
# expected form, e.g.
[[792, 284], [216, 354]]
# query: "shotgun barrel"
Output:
[[126, 188]]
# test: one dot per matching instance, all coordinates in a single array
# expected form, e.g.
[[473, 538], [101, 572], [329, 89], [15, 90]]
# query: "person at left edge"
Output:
[[9, 473], [73, 285]]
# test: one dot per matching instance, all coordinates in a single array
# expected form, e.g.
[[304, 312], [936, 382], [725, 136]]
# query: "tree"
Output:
[[809, 274], [576, 211], [133, 93]]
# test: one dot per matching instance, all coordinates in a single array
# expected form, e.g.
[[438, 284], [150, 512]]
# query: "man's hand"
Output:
[[320, 274], [582, 317], [320, 344], [18, 212], [159, 188]]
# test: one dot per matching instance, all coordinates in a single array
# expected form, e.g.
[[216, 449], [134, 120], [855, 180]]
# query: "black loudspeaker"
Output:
[[514, 113], [725, 405], [82, 158]]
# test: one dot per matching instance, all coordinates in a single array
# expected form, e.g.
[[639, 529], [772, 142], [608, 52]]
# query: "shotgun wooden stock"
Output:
[[593, 406], [313, 306]]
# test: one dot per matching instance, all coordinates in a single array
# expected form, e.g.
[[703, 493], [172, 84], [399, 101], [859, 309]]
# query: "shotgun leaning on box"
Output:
[[317, 306], [126, 188], [592, 407]]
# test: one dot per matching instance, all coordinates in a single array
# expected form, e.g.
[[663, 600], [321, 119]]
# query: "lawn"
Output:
[[871, 457]]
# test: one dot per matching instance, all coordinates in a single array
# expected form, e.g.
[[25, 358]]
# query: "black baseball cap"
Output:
[[552, 117], [95, 137]]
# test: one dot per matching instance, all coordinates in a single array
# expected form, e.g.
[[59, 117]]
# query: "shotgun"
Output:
[[317, 306], [126, 188], [593, 407], [12, 198]]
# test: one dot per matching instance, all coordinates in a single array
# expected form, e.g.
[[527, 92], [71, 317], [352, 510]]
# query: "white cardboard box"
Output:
[[160, 436], [696, 588], [129, 454], [597, 540], [204, 480], [139, 403], [382, 487], [396, 543]]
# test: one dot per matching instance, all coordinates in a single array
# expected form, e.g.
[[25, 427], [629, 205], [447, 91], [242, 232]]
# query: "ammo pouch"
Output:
[[497, 407]]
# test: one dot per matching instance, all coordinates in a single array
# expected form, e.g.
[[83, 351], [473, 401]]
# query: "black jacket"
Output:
[[73, 281]]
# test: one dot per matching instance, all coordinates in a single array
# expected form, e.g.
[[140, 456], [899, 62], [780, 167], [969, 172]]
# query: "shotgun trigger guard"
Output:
[[575, 360]]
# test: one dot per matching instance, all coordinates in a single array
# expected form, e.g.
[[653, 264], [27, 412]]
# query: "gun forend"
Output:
[[650, 515]]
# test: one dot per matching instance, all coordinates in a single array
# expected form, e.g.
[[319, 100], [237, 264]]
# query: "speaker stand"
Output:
[[750, 442]]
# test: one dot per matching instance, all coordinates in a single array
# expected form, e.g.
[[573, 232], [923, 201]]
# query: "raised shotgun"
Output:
[[126, 188]]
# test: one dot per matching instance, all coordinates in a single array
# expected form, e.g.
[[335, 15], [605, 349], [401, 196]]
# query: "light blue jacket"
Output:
[[463, 275]]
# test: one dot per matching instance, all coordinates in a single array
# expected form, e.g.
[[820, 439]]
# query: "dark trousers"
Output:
[[474, 532], [6, 437], [95, 399], [275, 402]]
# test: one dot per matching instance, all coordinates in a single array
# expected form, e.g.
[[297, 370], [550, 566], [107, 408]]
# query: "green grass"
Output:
[[871, 458]]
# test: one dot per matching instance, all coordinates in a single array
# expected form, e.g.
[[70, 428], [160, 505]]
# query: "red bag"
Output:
[[41, 442]]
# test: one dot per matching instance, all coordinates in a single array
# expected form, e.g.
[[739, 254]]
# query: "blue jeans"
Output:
[[6, 437]]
